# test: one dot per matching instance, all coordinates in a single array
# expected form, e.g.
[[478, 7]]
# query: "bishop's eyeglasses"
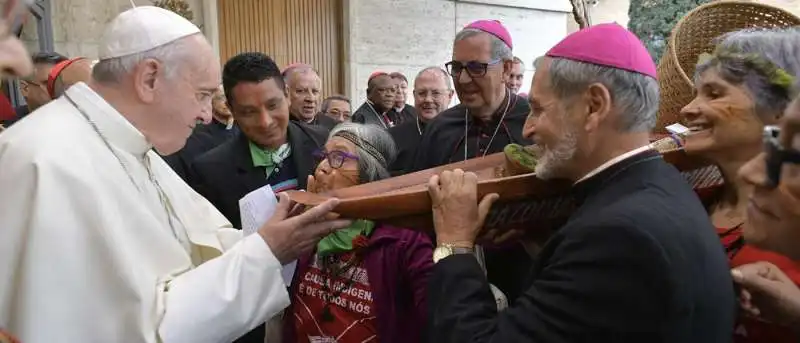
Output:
[[336, 158], [473, 68], [777, 154]]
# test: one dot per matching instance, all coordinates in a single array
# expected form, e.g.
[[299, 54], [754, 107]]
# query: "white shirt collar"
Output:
[[614, 161], [112, 125]]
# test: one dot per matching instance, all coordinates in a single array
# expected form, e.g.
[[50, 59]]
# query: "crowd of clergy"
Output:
[[121, 181]]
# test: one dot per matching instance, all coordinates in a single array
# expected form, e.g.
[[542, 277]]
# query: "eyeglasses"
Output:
[[337, 114], [336, 158], [777, 155], [473, 68], [31, 84]]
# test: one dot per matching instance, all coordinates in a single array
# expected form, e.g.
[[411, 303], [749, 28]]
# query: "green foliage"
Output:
[[181, 7], [652, 21]]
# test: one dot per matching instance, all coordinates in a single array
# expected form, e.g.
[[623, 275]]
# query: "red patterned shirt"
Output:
[[336, 308]]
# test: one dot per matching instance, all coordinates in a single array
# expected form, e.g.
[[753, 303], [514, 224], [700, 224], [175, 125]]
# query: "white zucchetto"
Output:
[[143, 28]]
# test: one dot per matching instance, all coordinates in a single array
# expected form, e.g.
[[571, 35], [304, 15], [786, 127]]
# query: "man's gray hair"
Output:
[[172, 55], [634, 96], [326, 104], [302, 69], [752, 47], [447, 79], [370, 137], [500, 50]]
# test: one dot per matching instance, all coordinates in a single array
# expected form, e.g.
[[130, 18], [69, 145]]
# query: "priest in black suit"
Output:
[[305, 95], [205, 136], [638, 261], [488, 118], [377, 109], [433, 92], [269, 150], [402, 112]]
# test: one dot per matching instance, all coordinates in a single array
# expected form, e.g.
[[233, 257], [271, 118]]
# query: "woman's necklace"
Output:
[[329, 269], [496, 129]]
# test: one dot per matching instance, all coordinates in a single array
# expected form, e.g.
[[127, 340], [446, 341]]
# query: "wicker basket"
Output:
[[694, 35]]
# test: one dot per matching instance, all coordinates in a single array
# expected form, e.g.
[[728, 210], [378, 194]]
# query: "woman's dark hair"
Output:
[[48, 58]]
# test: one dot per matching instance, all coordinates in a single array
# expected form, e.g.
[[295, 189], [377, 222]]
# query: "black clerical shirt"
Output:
[[406, 137], [639, 261], [443, 142]]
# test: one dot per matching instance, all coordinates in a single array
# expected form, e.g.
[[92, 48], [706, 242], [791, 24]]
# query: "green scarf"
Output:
[[269, 158], [342, 240]]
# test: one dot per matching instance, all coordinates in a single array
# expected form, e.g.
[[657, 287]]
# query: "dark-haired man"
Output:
[[270, 149], [377, 109], [337, 107], [402, 112], [34, 86]]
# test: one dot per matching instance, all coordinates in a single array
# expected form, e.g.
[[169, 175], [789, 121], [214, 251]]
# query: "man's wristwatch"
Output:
[[443, 250]]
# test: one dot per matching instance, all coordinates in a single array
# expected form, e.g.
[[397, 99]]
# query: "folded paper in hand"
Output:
[[256, 208]]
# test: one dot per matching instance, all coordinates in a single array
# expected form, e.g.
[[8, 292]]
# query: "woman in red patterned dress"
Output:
[[744, 85]]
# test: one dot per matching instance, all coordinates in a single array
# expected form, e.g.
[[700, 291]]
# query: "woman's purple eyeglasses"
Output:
[[336, 158]]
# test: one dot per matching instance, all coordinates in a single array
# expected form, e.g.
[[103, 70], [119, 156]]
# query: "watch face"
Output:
[[441, 252]]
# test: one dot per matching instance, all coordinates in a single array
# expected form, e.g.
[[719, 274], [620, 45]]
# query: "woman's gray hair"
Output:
[[780, 47], [372, 165], [500, 50], [172, 55], [635, 96]]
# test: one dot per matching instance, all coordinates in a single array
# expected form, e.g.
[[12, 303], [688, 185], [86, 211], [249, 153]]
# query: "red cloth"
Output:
[[352, 311], [6, 110], [751, 330]]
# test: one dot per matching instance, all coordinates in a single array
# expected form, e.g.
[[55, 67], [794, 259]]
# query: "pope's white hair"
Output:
[[173, 56], [634, 96], [370, 168]]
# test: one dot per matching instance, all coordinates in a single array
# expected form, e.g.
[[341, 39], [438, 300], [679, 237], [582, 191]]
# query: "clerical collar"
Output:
[[603, 174], [614, 161], [115, 127], [504, 107]]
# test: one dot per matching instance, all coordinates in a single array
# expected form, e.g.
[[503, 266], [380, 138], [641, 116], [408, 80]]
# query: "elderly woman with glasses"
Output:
[[773, 222], [745, 84], [364, 283]]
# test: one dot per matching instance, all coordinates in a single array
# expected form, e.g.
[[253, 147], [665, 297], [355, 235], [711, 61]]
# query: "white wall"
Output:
[[409, 35]]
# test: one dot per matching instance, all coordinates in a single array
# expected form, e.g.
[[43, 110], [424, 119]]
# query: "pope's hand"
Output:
[[290, 233], [768, 293], [457, 216]]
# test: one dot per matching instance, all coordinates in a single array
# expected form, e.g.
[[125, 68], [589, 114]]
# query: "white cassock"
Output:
[[109, 247]]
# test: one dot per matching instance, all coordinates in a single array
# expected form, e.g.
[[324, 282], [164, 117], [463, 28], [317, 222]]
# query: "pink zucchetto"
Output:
[[492, 27], [609, 45]]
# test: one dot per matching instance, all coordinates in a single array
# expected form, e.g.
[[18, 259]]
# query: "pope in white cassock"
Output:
[[100, 241]]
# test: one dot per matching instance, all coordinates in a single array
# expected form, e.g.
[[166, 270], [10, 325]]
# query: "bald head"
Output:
[[433, 92]]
